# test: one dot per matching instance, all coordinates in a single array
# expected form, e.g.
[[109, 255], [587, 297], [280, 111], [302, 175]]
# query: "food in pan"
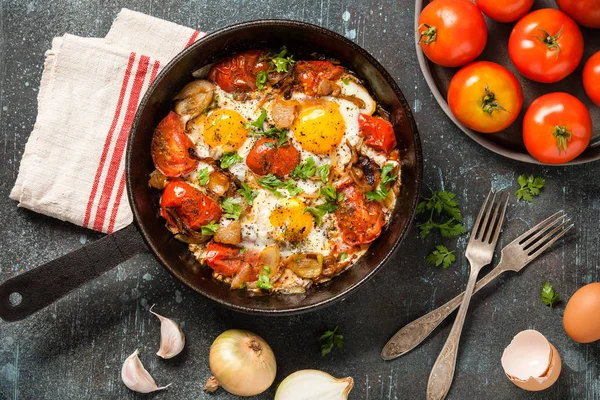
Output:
[[277, 172]]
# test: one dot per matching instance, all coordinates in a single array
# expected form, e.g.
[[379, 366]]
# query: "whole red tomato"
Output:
[[557, 128], [238, 72], [546, 45], [268, 157], [359, 220], [452, 32], [171, 147], [504, 10], [586, 12], [591, 78], [194, 208], [485, 97]]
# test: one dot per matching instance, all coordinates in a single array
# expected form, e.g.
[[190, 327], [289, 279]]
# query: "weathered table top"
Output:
[[75, 348]]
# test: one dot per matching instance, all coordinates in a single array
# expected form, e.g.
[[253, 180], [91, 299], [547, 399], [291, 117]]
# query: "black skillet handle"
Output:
[[47, 283]]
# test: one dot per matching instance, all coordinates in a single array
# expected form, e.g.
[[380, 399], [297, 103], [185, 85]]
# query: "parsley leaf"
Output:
[[441, 256], [343, 256], [210, 229], [264, 279], [317, 213], [330, 340], [261, 80], [441, 203], [248, 194], [281, 62], [323, 172], [346, 81], [381, 192], [378, 194], [232, 208], [332, 197], [305, 170], [283, 139], [213, 105], [272, 183], [260, 121], [331, 194], [230, 159], [203, 176], [549, 297], [530, 186], [292, 188]]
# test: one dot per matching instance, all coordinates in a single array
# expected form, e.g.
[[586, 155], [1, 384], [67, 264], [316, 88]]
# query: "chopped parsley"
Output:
[[248, 194], [346, 81], [230, 159], [272, 183], [213, 105], [441, 204], [323, 172], [210, 229], [232, 208], [261, 80], [332, 197], [305, 170], [203, 176], [281, 62], [260, 121], [381, 192], [549, 296], [530, 186], [343, 256], [264, 279], [330, 340], [441, 257]]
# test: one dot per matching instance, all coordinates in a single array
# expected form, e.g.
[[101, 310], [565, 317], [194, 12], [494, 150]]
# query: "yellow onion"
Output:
[[309, 384], [242, 362]]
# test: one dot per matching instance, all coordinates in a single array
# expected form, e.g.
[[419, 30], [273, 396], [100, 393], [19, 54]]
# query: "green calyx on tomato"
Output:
[[489, 103], [430, 34], [551, 41], [563, 136]]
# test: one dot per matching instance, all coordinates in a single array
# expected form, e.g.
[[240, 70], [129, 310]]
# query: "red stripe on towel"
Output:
[[115, 161], [107, 142], [193, 38]]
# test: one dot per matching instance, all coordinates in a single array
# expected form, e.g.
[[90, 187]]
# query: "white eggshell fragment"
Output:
[[531, 362]]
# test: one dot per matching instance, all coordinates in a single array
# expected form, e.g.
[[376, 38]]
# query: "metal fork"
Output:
[[480, 251], [514, 257]]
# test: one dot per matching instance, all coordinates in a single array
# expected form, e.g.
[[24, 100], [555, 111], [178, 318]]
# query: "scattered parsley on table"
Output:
[[549, 296], [330, 340], [441, 256], [530, 186], [441, 205]]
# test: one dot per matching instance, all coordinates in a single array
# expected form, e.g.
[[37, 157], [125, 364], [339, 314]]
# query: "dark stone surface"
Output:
[[75, 348]]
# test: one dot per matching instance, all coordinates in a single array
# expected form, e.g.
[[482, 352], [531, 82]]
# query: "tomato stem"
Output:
[[551, 41], [489, 103], [563, 136], [430, 34]]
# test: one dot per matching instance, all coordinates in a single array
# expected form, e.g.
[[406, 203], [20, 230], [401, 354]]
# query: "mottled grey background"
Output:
[[74, 349]]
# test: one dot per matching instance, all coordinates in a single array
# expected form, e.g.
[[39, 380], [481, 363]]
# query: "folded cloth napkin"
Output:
[[73, 165]]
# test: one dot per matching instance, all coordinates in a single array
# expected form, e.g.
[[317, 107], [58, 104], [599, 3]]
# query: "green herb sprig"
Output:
[[264, 279], [530, 186], [272, 183], [230, 159], [248, 194], [210, 228], [232, 207], [549, 296], [441, 256], [331, 339], [381, 192], [203, 176], [441, 204], [332, 198]]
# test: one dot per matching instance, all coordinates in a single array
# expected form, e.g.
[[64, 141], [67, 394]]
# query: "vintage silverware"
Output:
[[514, 257], [480, 252]]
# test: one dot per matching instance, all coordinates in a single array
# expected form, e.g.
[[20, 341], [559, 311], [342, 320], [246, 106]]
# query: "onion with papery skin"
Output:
[[309, 384], [242, 362]]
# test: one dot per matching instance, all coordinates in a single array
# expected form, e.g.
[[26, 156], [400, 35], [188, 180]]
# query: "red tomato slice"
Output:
[[311, 73], [378, 132], [359, 219], [193, 207], [238, 72], [171, 148], [265, 157], [228, 260]]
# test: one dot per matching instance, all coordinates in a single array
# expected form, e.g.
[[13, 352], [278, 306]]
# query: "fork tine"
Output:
[[494, 221], [560, 234], [478, 220], [489, 207], [530, 232], [526, 244], [500, 221]]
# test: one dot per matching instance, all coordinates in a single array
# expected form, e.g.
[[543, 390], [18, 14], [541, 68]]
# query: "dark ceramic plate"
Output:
[[509, 142]]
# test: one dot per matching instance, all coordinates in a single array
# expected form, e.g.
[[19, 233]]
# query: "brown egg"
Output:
[[582, 314]]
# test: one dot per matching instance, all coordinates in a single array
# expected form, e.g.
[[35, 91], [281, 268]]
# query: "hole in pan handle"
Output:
[[33, 290]]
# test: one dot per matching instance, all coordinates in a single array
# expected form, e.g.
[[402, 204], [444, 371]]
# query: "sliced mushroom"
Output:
[[157, 180], [193, 99], [230, 233], [284, 112], [218, 183], [370, 170]]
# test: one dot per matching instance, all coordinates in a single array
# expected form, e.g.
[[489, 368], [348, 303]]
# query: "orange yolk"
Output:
[[225, 129], [319, 128]]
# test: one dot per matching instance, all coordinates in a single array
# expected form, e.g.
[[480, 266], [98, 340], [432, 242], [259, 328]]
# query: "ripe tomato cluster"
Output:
[[545, 46]]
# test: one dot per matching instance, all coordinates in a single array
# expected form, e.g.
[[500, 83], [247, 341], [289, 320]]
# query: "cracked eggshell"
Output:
[[531, 362]]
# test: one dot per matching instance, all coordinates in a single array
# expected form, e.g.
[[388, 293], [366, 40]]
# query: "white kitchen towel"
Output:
[[73, 164]]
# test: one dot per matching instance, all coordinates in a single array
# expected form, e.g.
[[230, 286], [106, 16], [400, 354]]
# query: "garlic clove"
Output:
[[313, 384], [135, 376], [172, 339]]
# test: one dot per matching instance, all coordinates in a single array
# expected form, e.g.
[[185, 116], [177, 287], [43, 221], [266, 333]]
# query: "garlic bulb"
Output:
[[135, 376], [172, 339], [311, 384]]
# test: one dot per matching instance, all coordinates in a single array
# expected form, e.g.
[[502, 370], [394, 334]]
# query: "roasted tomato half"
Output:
[[359, 220], [310, 74], [379, 133], [238, 72], [229, 260], [171, 148], [191, 205], [266, 157]]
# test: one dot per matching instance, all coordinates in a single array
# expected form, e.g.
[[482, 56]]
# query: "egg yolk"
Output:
[[225, 129], [320, 128], [291, 222]]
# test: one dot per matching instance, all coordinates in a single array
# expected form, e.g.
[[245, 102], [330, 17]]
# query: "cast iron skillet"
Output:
[[40, 287]]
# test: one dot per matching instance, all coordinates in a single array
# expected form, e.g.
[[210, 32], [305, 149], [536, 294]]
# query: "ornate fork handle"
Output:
[[413, 333]]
